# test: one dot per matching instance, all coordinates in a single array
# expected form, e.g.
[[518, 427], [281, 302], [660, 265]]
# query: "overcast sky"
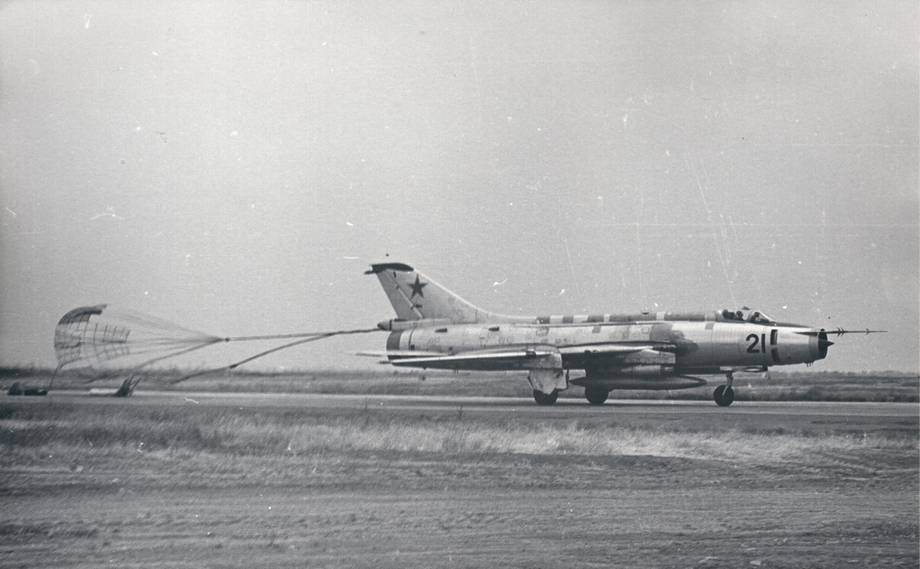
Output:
[[235, 166]]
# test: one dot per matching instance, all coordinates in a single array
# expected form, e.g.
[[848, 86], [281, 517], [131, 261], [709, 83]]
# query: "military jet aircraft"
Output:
[[435, 328]]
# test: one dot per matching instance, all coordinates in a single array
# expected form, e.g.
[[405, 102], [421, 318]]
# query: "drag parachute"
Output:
[[103, 337], [106, 341]]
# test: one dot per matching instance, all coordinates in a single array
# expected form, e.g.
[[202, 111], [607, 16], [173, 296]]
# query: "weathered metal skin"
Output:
[[435, 328], [700, 347]]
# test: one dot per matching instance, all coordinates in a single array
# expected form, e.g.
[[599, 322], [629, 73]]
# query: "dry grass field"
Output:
[[125, 483]]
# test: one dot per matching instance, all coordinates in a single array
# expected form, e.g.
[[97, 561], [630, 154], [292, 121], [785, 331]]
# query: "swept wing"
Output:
[[521, 358]]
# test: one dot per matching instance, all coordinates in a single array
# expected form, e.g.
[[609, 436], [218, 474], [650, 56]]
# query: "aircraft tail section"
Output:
[[414, 296]]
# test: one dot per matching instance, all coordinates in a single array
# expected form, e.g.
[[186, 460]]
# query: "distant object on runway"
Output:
[[435, 328], [29, 390]]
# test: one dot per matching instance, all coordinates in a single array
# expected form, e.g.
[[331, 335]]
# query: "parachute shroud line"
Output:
[[102, 337]]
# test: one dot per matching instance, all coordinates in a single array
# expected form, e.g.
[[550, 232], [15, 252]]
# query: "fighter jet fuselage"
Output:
[[650, 348], [437, 329]]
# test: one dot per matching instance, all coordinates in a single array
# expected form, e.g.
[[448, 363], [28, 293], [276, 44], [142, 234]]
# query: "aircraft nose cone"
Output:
[[823, 344]]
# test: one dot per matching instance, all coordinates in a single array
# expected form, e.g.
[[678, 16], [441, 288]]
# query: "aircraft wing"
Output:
[[481, 360], [524, 358], [384, 354], [611, 349], [619, 354]]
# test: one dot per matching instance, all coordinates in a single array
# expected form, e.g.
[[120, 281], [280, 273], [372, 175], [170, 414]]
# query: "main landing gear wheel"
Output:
[[545, 398], [723, 395], [596, 395]]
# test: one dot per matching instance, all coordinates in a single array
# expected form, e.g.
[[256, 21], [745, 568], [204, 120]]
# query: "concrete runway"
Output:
[[499, 405], [793, 416]]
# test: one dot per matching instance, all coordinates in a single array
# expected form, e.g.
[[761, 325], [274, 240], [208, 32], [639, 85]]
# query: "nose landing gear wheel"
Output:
[[545, 398], [723, 395], [596, 395]]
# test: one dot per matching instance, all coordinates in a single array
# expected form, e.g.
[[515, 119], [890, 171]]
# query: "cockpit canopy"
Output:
[[746, 315]]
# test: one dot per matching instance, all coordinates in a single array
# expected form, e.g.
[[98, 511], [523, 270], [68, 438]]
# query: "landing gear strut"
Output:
[[596, 395], [724, 394], [545, 398]]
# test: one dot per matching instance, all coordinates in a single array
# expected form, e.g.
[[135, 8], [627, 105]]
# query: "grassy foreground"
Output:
[[69, 430], [98, 481]]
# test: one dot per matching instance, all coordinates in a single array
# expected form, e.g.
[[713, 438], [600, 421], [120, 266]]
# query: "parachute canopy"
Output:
[[104, 336]]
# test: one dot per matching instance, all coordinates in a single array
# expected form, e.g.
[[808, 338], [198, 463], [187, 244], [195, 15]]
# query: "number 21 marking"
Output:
[[754, 340]]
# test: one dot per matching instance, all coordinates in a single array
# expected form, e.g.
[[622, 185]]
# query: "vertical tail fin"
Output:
[[414, 296]]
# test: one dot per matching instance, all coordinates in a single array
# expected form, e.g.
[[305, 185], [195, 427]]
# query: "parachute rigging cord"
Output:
[[312, 337], [102, 337]]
